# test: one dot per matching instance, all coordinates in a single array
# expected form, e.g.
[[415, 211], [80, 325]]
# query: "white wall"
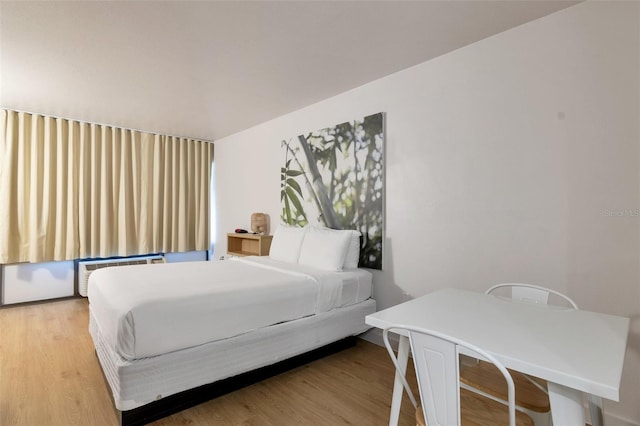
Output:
[[516, 158]]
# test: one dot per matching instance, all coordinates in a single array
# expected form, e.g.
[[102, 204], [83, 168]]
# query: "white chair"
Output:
[[443, 402], [531, 393], [531, 293]]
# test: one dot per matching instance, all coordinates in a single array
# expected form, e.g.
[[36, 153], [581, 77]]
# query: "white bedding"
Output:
[[147, 310], [138, 382]]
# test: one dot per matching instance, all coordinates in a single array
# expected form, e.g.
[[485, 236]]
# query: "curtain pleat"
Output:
[[76, 190]]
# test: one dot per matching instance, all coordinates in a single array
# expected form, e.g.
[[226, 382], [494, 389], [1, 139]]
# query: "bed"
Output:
[[168, 336]]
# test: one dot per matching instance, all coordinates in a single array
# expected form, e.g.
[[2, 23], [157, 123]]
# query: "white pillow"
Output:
[[286, 243], [324, 248], [353, 252]]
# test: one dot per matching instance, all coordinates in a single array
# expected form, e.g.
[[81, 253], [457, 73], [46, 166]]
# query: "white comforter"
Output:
[[148, 310]]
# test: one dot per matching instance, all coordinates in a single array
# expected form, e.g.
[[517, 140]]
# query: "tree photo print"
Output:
[[334, 177]]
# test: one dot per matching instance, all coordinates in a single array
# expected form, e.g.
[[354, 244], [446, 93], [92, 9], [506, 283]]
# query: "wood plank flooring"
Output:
[[49, 376]]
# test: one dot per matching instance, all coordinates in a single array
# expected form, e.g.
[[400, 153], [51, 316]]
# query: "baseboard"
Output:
[[613, 420], [374, 335]]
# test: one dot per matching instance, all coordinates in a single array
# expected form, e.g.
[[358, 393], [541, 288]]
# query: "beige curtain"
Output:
[[74, 190]]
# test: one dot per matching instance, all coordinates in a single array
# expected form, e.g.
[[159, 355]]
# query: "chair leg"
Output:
[[398, 388]]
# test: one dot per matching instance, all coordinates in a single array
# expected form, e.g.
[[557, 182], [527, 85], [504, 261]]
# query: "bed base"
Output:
[[177, 402]]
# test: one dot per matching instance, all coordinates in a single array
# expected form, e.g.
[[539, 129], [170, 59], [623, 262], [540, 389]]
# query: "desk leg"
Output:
[[596, 410], [566, 405], [398, 389]]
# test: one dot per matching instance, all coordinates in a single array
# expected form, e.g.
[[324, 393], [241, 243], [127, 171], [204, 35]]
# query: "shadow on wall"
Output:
[[634, 334], [386, 291], [631, 370], [633, 339]]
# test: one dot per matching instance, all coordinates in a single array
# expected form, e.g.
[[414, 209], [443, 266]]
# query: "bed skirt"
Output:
[[136, 383]]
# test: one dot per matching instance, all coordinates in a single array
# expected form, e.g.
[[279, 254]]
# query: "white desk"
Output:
[[575, 351]]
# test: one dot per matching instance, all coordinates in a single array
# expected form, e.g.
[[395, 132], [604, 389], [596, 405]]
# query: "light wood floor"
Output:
[[49, 376]]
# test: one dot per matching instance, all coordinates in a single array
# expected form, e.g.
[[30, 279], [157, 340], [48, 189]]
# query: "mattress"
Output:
[[148, 310], [138, 382]]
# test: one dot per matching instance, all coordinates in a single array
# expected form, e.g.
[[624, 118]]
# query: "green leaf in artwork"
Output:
[[287, 210], [293, 173], [293, 184], [294, 199]]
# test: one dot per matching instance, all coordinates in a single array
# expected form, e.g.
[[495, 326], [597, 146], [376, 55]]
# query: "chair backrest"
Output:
[[436, 360], [531, 293]]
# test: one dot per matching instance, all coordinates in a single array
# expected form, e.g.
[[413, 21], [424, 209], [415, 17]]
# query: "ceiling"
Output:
[[208, 69]]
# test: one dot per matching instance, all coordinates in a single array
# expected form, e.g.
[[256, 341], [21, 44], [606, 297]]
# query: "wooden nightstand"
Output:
[[248, 244]]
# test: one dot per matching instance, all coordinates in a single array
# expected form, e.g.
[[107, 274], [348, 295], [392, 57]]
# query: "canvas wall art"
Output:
[[334, 177]]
